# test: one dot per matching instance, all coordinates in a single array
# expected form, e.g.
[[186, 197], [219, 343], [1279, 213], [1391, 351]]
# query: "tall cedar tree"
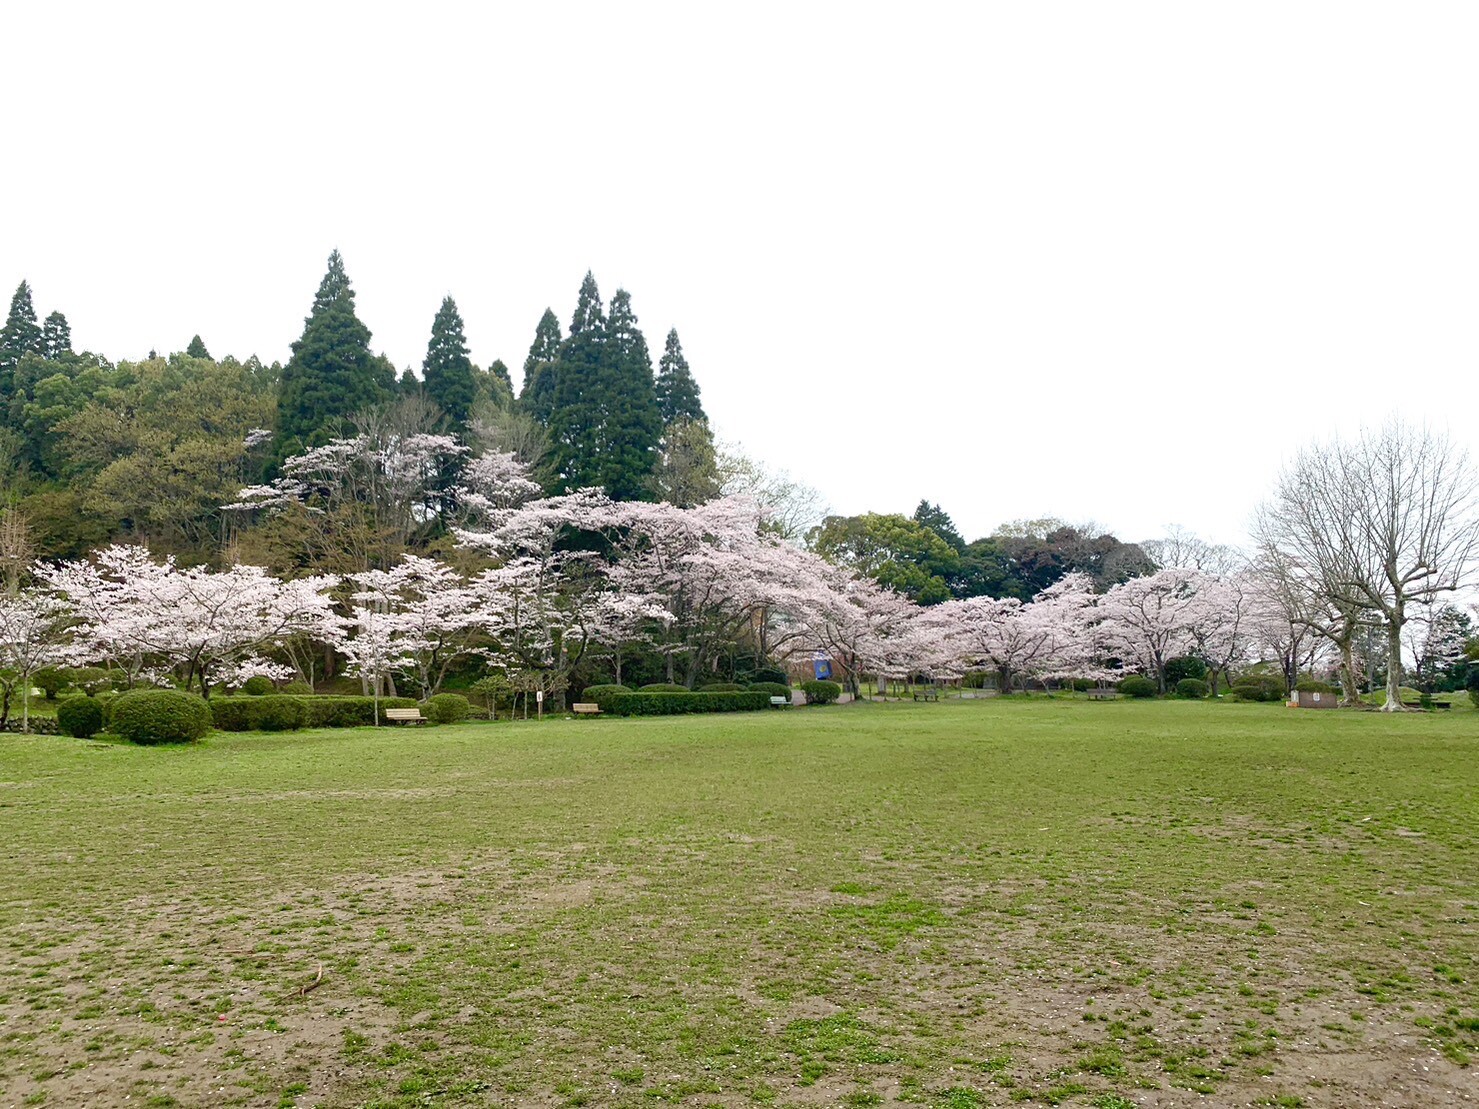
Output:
[[605, 425], [409, 384], [448, 373], [538, 397], [56, 336], [20, 336], [499, 371], [196, 349], [677, 392], [332, 373]]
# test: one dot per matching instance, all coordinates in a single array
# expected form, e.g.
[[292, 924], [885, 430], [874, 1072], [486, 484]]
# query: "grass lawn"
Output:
[[959, 904]]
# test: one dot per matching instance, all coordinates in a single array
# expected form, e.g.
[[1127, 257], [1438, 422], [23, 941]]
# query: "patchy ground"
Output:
[[956, 905]]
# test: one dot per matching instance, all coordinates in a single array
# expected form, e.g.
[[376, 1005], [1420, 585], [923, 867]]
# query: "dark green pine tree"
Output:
[[633, 419], [196, 349], [332, 373], [677, 392], [56, 336], [20, 336], [605, 424], [538, 397], [447, 371], [500, 371], [409, 384]]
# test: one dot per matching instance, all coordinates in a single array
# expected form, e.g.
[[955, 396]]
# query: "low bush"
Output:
[[150, 716], [51, 680], [257, 685], [721, 687], [1258, 687], [1309, 685], [262, 714], [597, 694], [664, 687], [771, 689], [91, 679], [1137, 686], [298, 688], [1191, 689], [672, 704], [769, 674], [79, 716], [821, 693], [1083, 685], [446, 708]]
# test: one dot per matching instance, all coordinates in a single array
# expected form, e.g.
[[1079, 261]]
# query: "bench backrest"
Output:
[[403, 714]]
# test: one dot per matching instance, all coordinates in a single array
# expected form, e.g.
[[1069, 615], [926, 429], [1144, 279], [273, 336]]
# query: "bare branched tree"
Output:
[[1378, 524]]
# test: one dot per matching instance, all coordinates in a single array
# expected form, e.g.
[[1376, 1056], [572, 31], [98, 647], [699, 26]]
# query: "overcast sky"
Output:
[[1107, 261]]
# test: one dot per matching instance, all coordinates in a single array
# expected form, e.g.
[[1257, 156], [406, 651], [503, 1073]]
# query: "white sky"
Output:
[[1108, 261]]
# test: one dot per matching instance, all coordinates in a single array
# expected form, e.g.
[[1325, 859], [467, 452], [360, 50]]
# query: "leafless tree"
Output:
[[1182, 549], [1379, 524]]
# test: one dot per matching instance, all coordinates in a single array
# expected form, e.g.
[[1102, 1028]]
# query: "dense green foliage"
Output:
[[663, 687], [447, 373], [247, 714], [446, 708], [79, 716], [821, 693], [598, 694], [1191, 689], [673, 704], [151, 716], [721, 687], [1138, 686], [1186, 666], [675, 388], [257, 686], [1310, 685], [771, 689], [1259, 687]]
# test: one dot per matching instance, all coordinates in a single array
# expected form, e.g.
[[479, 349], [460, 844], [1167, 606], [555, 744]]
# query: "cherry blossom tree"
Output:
[[34, 630], [1147, 621], [1048, 637], [139, 614]]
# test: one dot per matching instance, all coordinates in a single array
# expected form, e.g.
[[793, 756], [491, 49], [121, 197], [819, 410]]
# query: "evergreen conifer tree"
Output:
[[538, 397], [447, 371], [409, 384], [56, 336], [677, 392], [332, 373], [20, 336], [500, 371], [196, 349]]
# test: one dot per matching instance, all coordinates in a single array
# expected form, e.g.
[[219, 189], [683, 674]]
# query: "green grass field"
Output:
[[955, 905]]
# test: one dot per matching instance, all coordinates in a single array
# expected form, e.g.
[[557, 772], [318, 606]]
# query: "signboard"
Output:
[[539, 696], [822, 666]]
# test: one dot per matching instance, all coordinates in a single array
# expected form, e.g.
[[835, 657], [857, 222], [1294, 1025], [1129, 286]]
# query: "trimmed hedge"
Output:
[[1137, 686], [721, 687], [771, 689], [597, 694], [1191, 689], [673, 704], [150, 716], [248, 714], [1310, 685], [446, 708], [821, 693], [664, 687], [258, 685], [79, 716], [298, 688], [1260, 687]]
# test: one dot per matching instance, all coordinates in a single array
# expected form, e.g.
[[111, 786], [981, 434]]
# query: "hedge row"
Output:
[[280, 712], [671, 704]]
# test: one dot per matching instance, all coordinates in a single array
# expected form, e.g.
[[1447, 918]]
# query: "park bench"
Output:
[[585, 708], [1443, 704], [779, 702], [1102, 694], [405, 716], [926, 694]]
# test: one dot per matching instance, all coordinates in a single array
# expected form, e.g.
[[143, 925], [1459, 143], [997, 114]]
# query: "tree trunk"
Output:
[[1394, 665], [1349, 697]]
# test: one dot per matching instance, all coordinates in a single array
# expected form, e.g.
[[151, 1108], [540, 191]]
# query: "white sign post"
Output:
[[539, 704]]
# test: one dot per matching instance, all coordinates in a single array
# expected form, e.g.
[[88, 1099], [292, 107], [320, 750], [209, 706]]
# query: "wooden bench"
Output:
[[1443, 704], [926, 694], [586, 708], [405, 716], [779, 702], [1102, 694]]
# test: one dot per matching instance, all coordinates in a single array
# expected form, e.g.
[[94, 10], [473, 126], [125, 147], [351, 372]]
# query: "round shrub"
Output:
[[1258, 687], [721, 687], [151, 716], [51, 680], [79, 716], [1137, 686], [596, 692], [258, 685], [1191, 689], [446, 708], [1082, 685], [821, 693], [664, 687], [297, 688], [1185, 666], [771, 689], [769, 674], [280, 714]]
